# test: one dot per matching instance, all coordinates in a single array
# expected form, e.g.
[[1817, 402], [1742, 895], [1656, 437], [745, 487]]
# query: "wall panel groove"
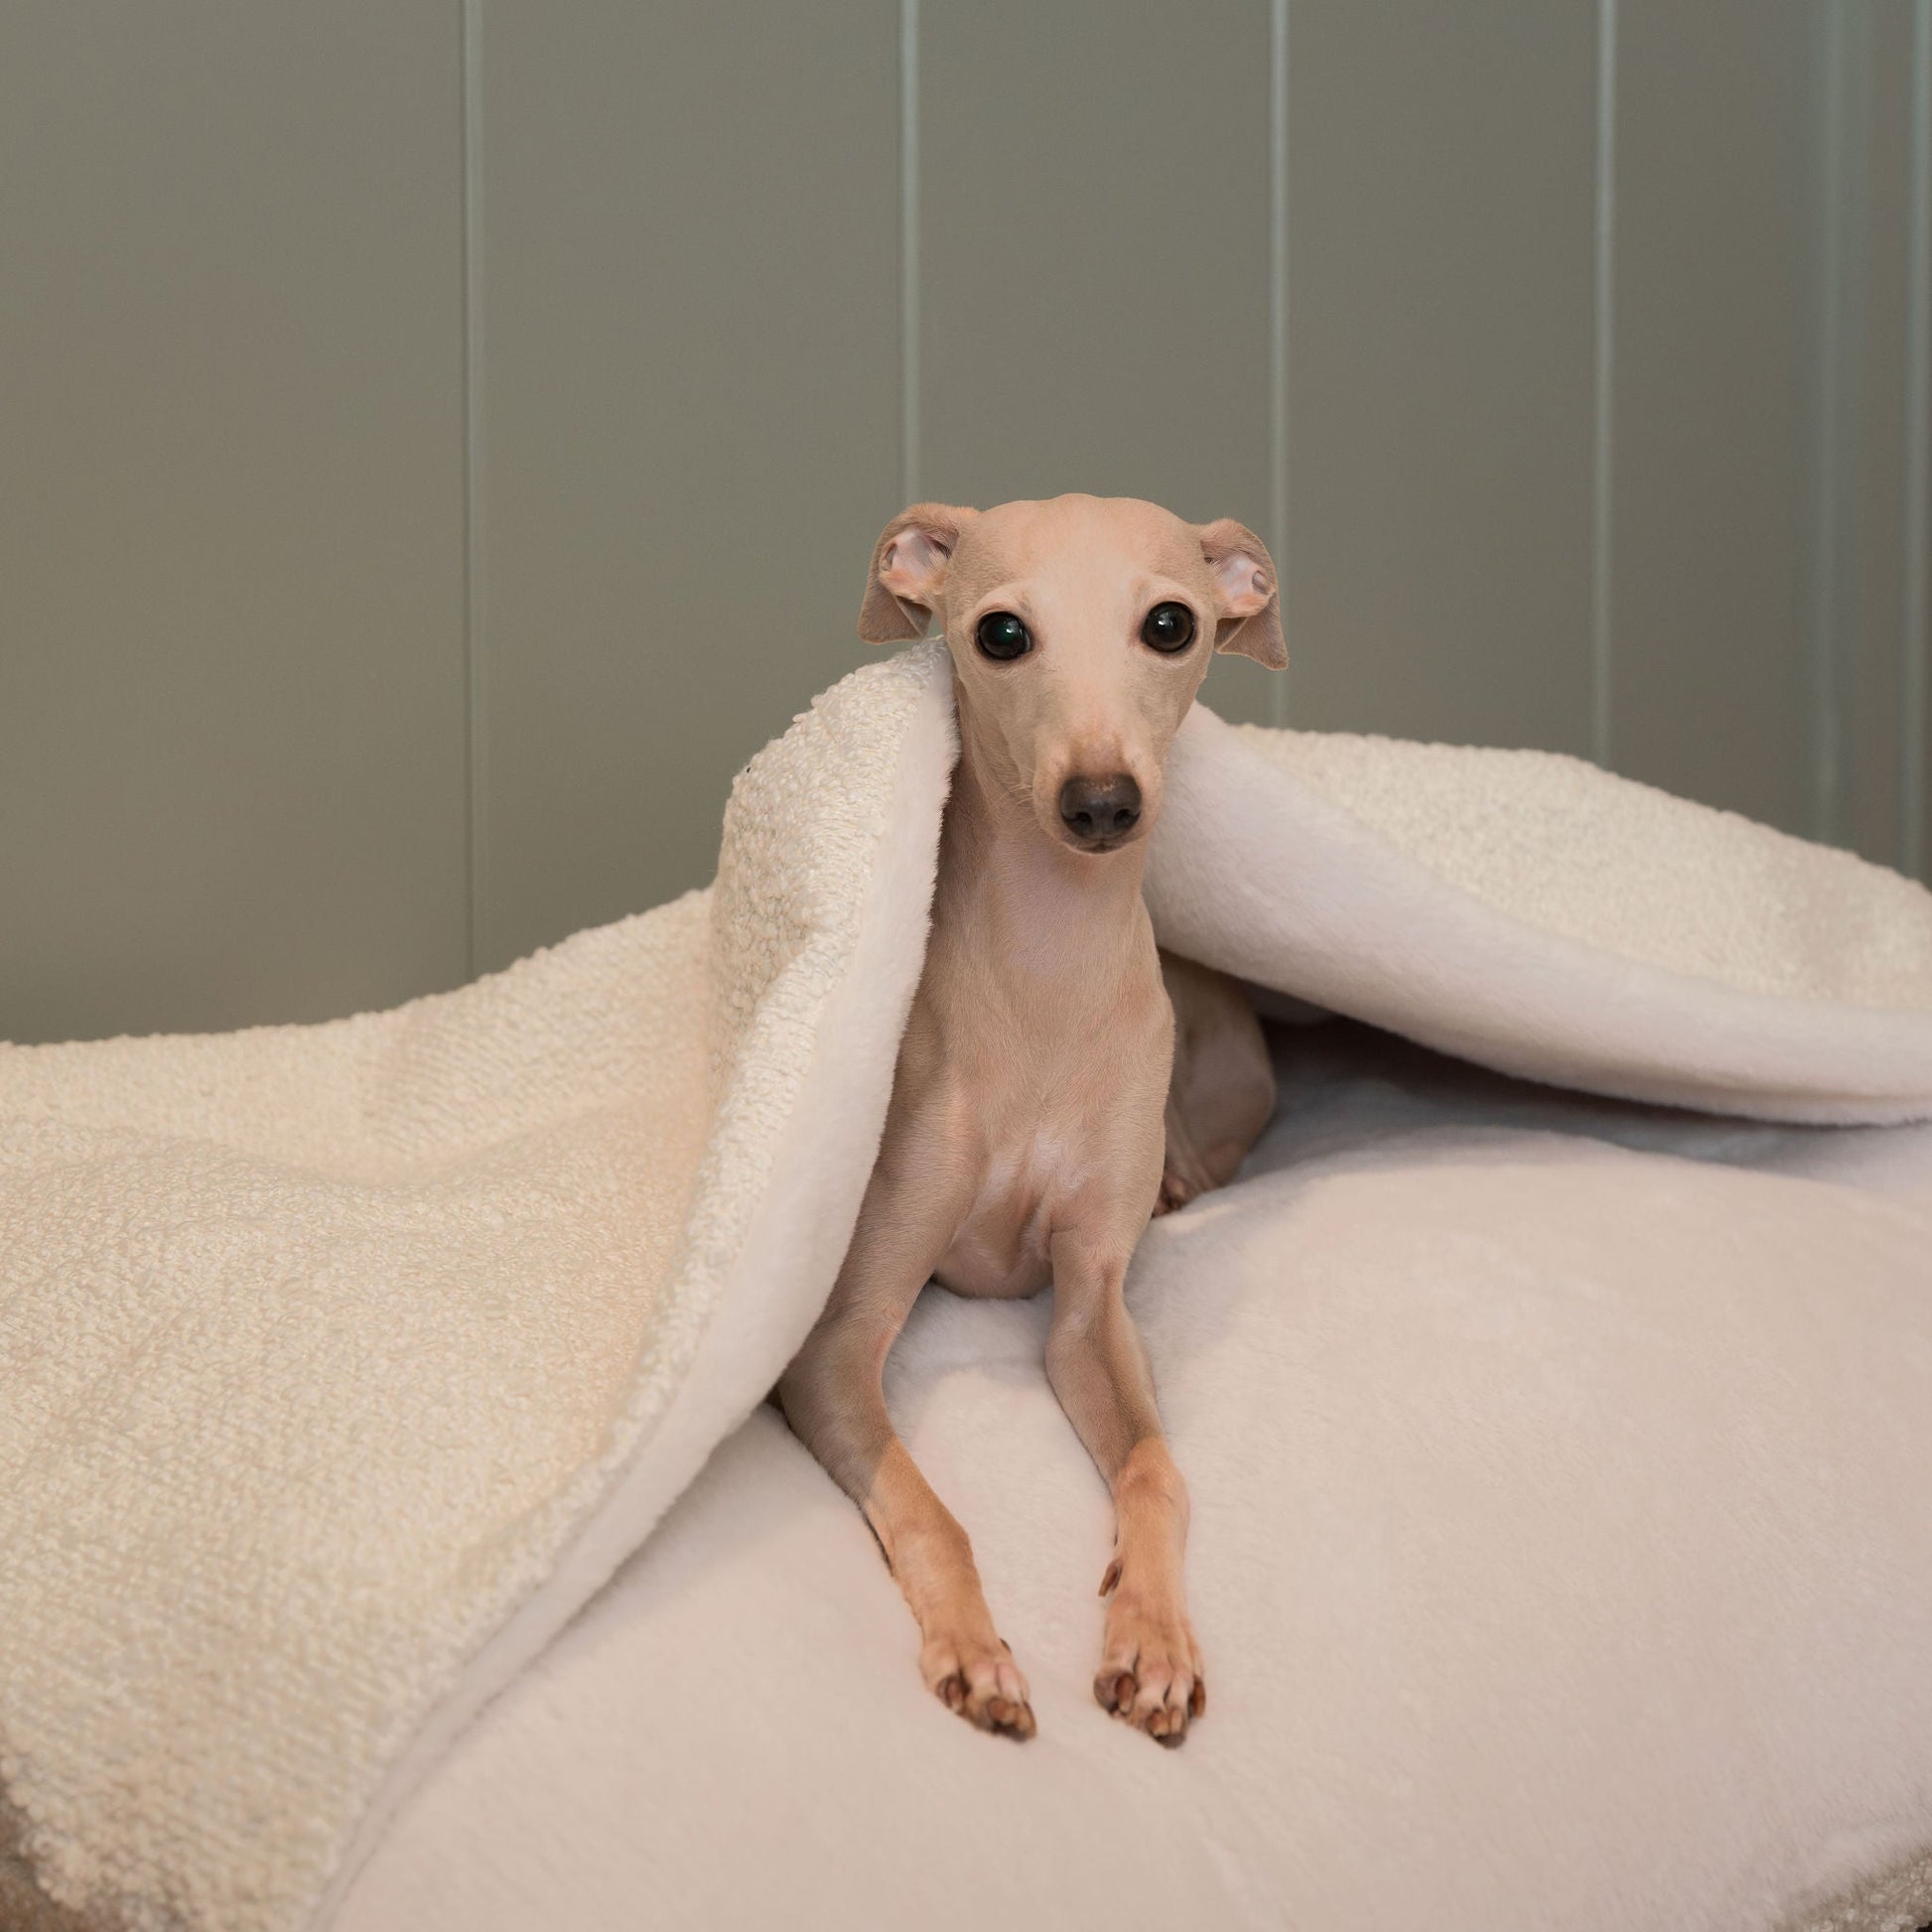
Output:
[[475, 603], [1841, 187], [909, 250], [1603, 488], [1278, 229], [1915, 713]]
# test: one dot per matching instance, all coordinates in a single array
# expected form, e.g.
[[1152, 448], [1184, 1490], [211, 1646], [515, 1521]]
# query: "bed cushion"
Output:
[[1560, 1556]]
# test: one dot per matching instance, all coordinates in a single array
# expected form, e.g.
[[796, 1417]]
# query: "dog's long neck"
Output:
[[1027, 909]]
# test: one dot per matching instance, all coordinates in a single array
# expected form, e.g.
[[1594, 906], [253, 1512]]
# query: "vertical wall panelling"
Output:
[[1859, 473], [1440, 346], [476, 749], [442, 442], [1840, 180], [690, 297], [1095, 254], [1714, 291], [231, 689], [1915, 713], [909, 251], [1279, 712], [1602, 485]]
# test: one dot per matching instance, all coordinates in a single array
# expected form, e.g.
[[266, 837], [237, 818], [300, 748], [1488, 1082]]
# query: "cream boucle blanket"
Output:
[[341, 1365]]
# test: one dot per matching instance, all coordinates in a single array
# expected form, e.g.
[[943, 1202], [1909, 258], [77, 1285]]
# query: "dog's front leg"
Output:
[[834, 1399], [1149, 1664]]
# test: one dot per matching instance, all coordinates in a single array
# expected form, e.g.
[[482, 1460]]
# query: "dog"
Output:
[[1059, 1080]]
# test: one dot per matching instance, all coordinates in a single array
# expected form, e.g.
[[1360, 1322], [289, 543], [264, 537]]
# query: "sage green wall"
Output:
[[440, 443]]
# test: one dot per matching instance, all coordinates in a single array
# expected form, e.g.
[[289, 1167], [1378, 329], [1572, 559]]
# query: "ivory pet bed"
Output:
[[1561, 1551]]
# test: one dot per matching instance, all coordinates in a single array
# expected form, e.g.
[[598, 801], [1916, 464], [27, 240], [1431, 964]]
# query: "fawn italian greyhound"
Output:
[[1059, 1080]]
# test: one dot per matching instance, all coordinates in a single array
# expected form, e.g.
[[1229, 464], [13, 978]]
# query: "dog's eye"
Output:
[[1001, 637], [1168, 628]]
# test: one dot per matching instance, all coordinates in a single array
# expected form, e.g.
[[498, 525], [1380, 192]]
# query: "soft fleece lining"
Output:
[[1533, 913], [343, 1363]]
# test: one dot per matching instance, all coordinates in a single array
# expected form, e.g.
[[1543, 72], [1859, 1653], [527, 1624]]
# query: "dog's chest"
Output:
[[1027, 1188], [1057, 1146]]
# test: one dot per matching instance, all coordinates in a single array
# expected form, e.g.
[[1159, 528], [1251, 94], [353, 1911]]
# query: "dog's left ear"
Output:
[[1249, 598], [908, 566]]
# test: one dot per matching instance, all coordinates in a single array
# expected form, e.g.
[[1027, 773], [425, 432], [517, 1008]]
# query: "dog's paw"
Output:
[[1149, 1671], [978, 1679]]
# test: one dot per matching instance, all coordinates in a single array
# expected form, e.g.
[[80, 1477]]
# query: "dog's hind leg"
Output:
[[834, 1399], [1222, 1093]]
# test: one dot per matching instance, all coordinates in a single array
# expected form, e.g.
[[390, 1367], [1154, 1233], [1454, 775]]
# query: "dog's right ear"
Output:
[[909, 568], [1245, 585]]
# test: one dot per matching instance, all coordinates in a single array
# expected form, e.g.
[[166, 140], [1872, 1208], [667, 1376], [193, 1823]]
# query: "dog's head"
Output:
[[1080, 629]]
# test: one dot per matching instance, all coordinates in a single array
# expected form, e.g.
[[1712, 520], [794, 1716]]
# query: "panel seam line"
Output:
[[1917, 637], [474, 818], [1278, 326], [909, 250], [1603, 390]]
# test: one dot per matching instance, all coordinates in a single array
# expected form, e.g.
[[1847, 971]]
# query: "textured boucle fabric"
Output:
[[341, 1365], [1624, 867], [321, 1346]]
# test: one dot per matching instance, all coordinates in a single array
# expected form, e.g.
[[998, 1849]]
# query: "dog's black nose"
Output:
[[1096, 810]]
